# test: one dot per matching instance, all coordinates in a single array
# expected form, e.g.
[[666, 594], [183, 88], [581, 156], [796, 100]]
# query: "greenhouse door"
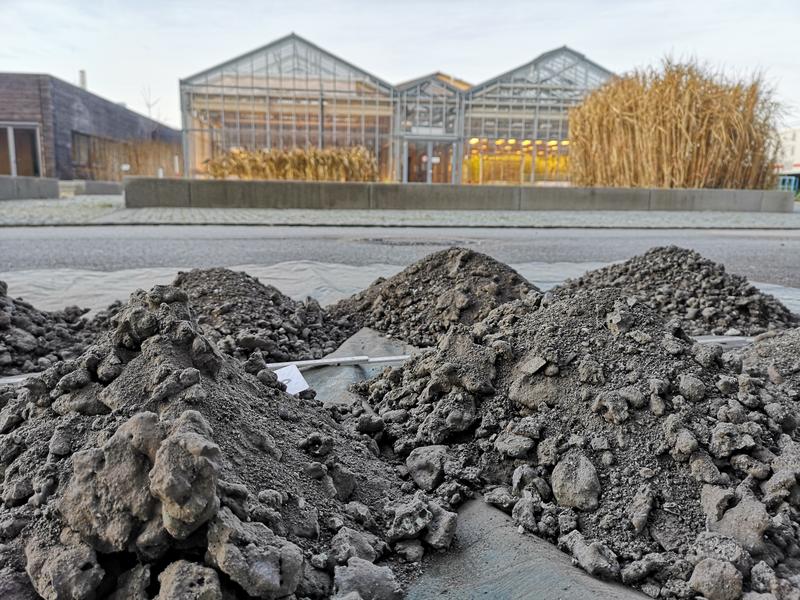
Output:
[[428, 161], [417, 155]]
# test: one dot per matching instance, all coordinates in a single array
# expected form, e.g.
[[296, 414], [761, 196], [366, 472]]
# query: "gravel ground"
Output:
[[110, 210], [78, 210]]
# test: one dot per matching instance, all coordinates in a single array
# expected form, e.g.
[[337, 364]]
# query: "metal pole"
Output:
[[253, 103], [342, 361], [12, 150]]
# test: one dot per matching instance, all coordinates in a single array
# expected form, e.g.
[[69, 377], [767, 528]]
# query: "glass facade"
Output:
[[435, 129]]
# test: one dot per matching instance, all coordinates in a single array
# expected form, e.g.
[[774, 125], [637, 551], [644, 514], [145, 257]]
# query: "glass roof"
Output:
[[562, 71], [291, 58]]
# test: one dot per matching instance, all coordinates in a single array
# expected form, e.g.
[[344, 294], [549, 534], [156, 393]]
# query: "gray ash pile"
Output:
[[154, 466], [677, 282], [243, 316], [597, 425], [33, 340], [421, 302]]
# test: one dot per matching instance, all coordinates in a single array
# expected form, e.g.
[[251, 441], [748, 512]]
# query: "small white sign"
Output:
[[427, 130], [435, 160], [292, 378]]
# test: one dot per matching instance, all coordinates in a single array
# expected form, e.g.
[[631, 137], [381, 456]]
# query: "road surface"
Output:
[[760, 255]]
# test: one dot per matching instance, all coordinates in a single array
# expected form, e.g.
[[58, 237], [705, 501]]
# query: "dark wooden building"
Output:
[[49, 127]]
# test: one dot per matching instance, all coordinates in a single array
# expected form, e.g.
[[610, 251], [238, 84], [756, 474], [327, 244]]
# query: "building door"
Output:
[[19, 150], [417, 159], [429, 161], [441, 162]]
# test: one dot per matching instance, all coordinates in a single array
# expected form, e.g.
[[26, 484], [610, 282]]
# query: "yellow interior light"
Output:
[[500, 142], [565, 142], [552, 143], [473, 141], [526, 142], [512, 141], [539, 142]]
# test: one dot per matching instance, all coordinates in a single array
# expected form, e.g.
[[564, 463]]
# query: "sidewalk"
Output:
[[110, 210]]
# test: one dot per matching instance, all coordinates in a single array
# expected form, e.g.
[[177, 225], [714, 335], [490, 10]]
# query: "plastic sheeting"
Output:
[[54, 289], [332, 383], [491, 559]]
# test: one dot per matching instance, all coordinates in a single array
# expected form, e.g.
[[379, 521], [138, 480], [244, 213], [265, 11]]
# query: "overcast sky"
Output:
[[128, 47]]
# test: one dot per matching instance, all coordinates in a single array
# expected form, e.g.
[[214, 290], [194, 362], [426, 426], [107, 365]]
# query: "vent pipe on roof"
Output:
[[82, 79]]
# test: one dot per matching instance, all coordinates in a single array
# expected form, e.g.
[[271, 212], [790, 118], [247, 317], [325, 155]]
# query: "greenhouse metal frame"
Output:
[[511, 129]]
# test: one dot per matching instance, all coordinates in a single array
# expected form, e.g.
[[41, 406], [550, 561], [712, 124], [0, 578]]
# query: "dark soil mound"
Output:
[[597, 425], [681, 283], [153, 466], [243, 315], [32, 340], [775, 356], [421, 302]]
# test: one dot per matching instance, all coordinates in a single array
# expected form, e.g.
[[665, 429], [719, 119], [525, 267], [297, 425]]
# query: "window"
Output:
[[19, 150], [80, 149]]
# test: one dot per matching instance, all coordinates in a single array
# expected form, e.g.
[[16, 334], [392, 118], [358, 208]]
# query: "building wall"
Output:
[[26, 98], [60, 108], [80, 111]]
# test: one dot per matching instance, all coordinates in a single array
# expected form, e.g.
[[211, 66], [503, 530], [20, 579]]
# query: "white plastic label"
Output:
[[292, 378]]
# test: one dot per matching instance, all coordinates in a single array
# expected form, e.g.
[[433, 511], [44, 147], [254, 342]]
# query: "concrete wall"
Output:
[[421, 196], [83, 187], [568, 198], [143, 192], [16, 188], [277, 194]]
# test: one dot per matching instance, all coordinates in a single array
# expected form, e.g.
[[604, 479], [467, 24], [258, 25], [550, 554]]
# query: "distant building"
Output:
[[512, 128], [51, 128], [789, 157], [788, 167]]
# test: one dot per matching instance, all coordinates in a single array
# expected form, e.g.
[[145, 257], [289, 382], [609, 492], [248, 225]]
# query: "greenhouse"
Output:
[[291, 94]]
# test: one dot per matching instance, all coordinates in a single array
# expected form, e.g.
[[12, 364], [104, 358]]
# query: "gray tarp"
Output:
[[491, 559], [331, 383]]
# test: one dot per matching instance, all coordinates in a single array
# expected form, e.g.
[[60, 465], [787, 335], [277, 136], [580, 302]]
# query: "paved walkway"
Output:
[[110, 210]]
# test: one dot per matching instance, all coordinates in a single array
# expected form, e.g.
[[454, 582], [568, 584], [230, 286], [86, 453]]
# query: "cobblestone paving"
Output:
[[110, 210], [78, 210]]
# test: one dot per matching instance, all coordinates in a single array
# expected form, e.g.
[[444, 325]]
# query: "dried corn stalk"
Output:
[[682, 126], [334, 164]]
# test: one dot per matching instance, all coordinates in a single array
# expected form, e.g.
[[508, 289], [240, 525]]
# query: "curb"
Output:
[[405, 226]]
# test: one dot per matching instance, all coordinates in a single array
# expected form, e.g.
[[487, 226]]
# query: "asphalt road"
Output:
[[766, 256]]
